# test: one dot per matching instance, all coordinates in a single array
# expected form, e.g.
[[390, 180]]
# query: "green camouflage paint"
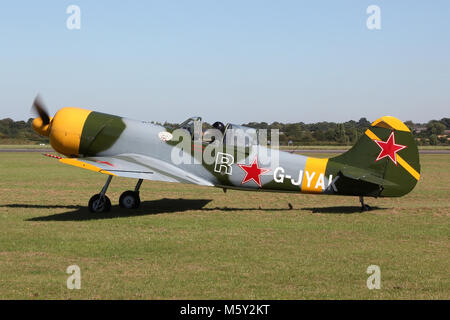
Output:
[[381, 178], [100, 132]]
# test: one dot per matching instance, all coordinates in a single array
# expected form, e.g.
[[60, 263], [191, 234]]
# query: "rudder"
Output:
[[386, 156]]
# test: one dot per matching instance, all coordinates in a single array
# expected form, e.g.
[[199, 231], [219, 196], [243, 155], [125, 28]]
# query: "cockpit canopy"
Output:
[[230, 134], [240, 136], [190, 123]]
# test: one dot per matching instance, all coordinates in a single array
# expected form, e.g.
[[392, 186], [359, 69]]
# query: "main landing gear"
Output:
[[129, 199], [364, 207]]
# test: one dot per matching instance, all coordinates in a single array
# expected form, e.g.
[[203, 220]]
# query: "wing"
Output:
[[138, 167]]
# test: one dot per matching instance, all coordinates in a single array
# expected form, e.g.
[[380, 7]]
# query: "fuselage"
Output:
[[82, 133]]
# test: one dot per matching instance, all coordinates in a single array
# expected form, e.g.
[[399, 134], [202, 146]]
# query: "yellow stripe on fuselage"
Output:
[[314, 175], [400, 160]]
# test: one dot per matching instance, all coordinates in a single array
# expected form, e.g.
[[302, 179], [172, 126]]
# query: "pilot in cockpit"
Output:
[[216, 132], [210, 135]]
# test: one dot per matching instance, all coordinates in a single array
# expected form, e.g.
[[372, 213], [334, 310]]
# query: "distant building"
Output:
[[420, 129]]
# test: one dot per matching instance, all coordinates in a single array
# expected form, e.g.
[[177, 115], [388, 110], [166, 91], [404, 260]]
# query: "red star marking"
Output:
[[389, 148], [252, 172]]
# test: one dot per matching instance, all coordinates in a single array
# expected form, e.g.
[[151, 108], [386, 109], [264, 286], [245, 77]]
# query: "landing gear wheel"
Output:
[[130, 200], [99, 204]]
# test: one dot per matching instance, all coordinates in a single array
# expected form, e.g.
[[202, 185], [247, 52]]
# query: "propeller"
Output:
[[40, 108], [42, 123]]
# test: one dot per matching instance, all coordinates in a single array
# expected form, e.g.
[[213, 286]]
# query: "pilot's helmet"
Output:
[[219, 126]]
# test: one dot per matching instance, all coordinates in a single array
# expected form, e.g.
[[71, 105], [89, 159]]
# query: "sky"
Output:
[[228, 60]]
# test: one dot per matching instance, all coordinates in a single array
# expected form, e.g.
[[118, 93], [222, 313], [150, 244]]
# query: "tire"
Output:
[[129, 200], [99, 204]]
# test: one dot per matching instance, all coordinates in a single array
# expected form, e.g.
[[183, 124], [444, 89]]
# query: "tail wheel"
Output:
[[130, 200], [99, 204]]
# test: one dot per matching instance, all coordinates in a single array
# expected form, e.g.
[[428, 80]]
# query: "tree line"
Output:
[[19, 132], [435, 132]]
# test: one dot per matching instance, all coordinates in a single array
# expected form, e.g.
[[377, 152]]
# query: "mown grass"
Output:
[[193, 242]]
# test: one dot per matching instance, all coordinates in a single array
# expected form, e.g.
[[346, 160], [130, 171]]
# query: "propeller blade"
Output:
[[40, 108]]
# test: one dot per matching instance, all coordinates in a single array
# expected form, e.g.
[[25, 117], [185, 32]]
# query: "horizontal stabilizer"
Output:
[[364, 175]]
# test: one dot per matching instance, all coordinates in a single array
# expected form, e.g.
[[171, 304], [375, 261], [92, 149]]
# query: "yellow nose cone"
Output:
[[67, 127], [40, 128]]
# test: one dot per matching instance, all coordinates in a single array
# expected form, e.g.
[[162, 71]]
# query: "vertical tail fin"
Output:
[[386, 151]]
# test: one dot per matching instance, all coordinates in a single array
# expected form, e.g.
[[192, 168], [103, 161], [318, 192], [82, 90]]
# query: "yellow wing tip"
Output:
[[84, 165], [390, 122]]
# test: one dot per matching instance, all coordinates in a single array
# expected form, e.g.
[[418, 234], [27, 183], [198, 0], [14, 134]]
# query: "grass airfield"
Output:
[[191, 242]]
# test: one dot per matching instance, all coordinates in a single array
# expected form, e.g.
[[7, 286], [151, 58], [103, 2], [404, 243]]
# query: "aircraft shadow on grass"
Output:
[[162, 206], [146, 208], [340, 209]]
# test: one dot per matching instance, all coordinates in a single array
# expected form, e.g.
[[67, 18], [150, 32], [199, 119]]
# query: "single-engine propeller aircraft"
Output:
[[383, 163]]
